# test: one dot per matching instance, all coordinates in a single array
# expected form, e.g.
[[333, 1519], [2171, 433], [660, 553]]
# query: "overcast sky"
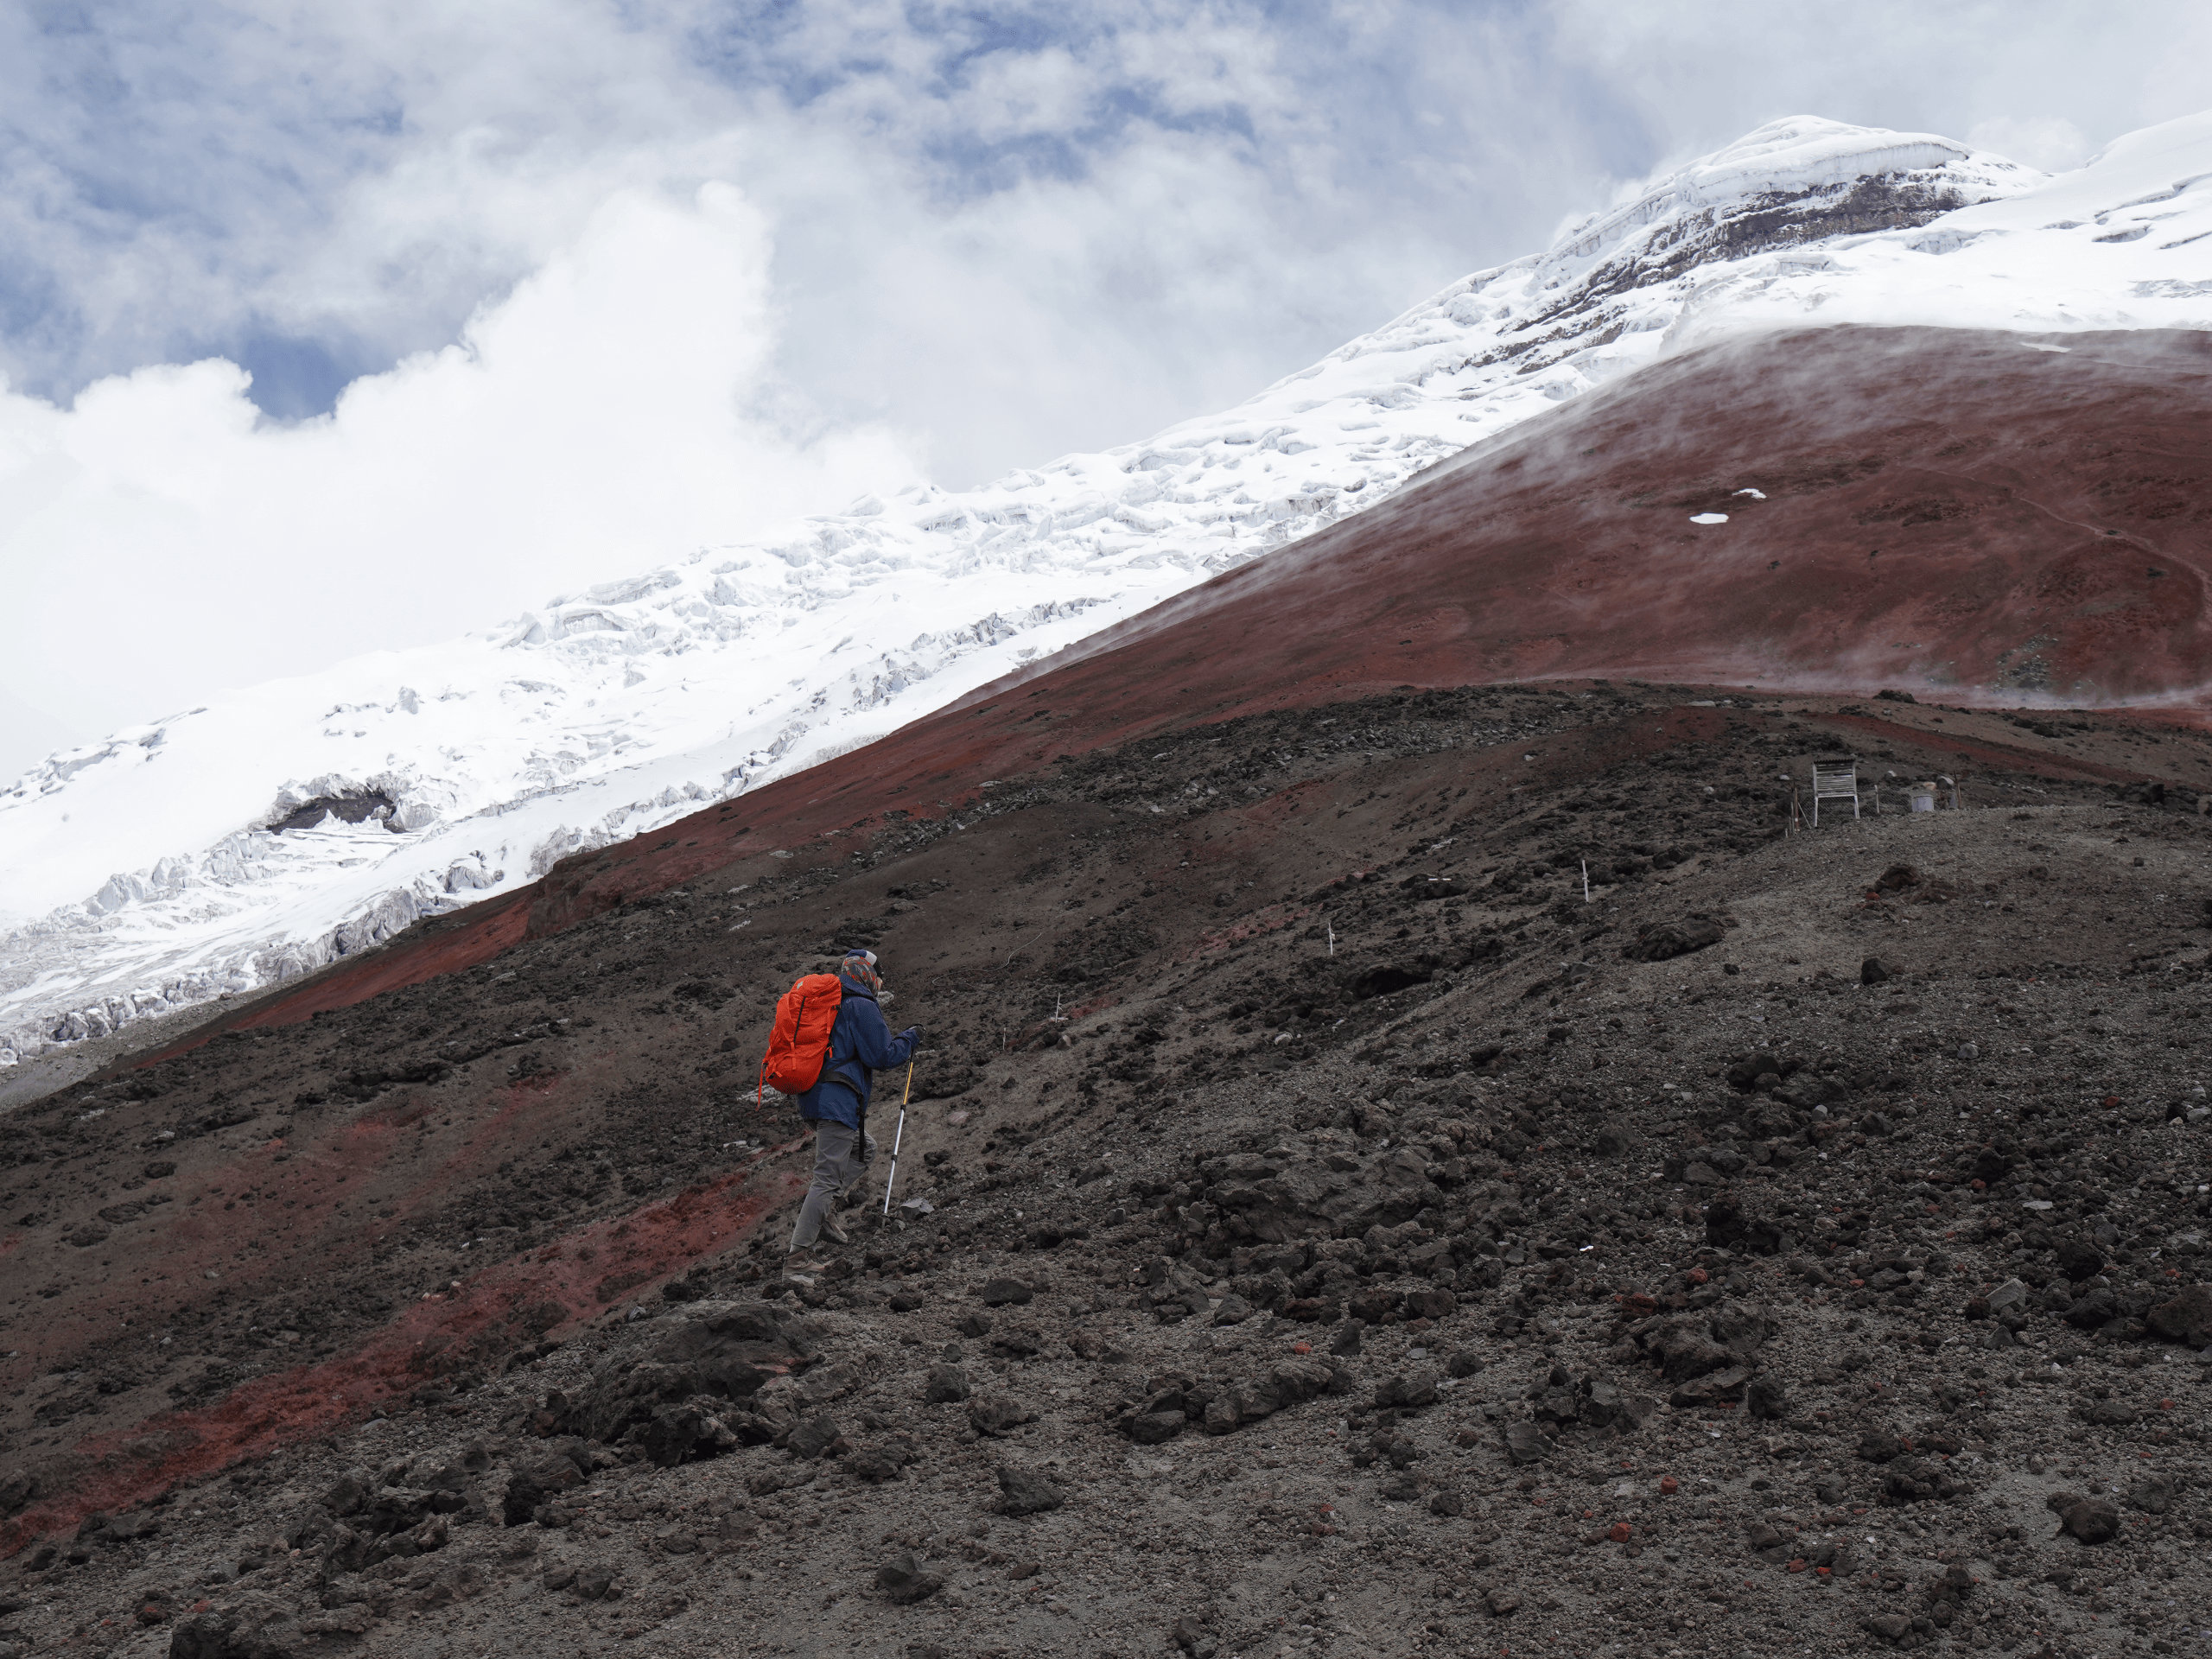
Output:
[[328, 328]]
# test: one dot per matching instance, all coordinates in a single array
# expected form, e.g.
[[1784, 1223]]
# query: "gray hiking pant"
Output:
[[841, 1160]]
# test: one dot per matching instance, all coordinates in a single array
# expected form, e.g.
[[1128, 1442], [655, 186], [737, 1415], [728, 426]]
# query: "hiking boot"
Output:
[[834, 1233], [798, 1267]]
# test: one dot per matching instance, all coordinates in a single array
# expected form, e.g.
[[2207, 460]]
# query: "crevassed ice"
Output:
[[143, 873]]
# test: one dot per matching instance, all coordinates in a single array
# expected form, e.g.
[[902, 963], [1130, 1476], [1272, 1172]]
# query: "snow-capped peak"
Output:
[[277, 827]]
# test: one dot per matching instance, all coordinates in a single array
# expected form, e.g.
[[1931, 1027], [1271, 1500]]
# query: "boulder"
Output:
[[2079, 1259], [814, 1437], [1663, 941], [1767, 1398], [1431, 1302], [1153, 1428], [2092, 1520], [998, 1414], [1527, 1443], [945, 1385], [901, 1580], [1408, 1391], [1024, 1492], [1727, 1383], [1689, 1345], [881, 1462], [2093, 1312], [718, 1351], [2187, 1318]]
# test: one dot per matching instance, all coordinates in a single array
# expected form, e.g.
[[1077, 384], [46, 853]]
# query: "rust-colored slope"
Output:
[[1968, 512], [1996, 518], [476, 1322]]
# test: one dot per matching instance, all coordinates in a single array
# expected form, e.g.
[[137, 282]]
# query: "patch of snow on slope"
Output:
[[143, 873]]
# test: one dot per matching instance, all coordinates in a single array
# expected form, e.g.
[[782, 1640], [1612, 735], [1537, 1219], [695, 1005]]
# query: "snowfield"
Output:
[[257, 837]]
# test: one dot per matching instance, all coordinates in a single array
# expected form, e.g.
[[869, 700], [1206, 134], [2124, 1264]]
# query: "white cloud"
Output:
[[1692, 74], [2049, 142], [607, 414]]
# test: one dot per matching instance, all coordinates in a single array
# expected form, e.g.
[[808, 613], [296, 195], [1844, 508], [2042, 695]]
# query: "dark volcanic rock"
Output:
[[1909, 1479], [1689, 1345], [719, 1351], [2187, 1318], [1663, 941], [2093, 1312], [902, 1579], [213, 1635], [1526, 1443], [879, 1463], [1024, 1492], [1746, 1072], [532, 1482], [2079, 1259], [395, 1509], [814, 1437], [2153, 1495], [2110, 1413], [348, 1493], [1879, 1446], [1767, 1398], [2092, 1520], [944, 1384], [1407, 1392], [1431, 1302], [997, 1414], [1153, 1428], [1191, 1637], [1714, 1386]]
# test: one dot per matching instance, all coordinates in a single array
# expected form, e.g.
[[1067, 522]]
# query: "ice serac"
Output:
[[284, 825]]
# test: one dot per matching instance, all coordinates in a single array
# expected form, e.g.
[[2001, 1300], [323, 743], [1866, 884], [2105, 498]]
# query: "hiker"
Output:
[[861, 1043]]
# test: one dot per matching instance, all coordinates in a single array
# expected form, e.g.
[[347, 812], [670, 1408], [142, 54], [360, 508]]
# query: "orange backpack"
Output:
[[798, 1047]]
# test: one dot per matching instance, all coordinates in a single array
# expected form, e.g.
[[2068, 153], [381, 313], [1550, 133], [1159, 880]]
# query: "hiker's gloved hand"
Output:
[[913, 1036]]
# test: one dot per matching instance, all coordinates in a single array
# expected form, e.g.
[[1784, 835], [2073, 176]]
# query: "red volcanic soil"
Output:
[[1954, 513], [476, 1321]]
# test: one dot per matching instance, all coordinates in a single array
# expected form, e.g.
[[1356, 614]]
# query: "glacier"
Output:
[[273, 829]]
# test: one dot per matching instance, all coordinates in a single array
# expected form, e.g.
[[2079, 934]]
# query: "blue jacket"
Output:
[[861, 1043]]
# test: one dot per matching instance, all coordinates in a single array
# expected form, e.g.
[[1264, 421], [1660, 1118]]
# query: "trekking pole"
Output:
[[893, 1179]]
